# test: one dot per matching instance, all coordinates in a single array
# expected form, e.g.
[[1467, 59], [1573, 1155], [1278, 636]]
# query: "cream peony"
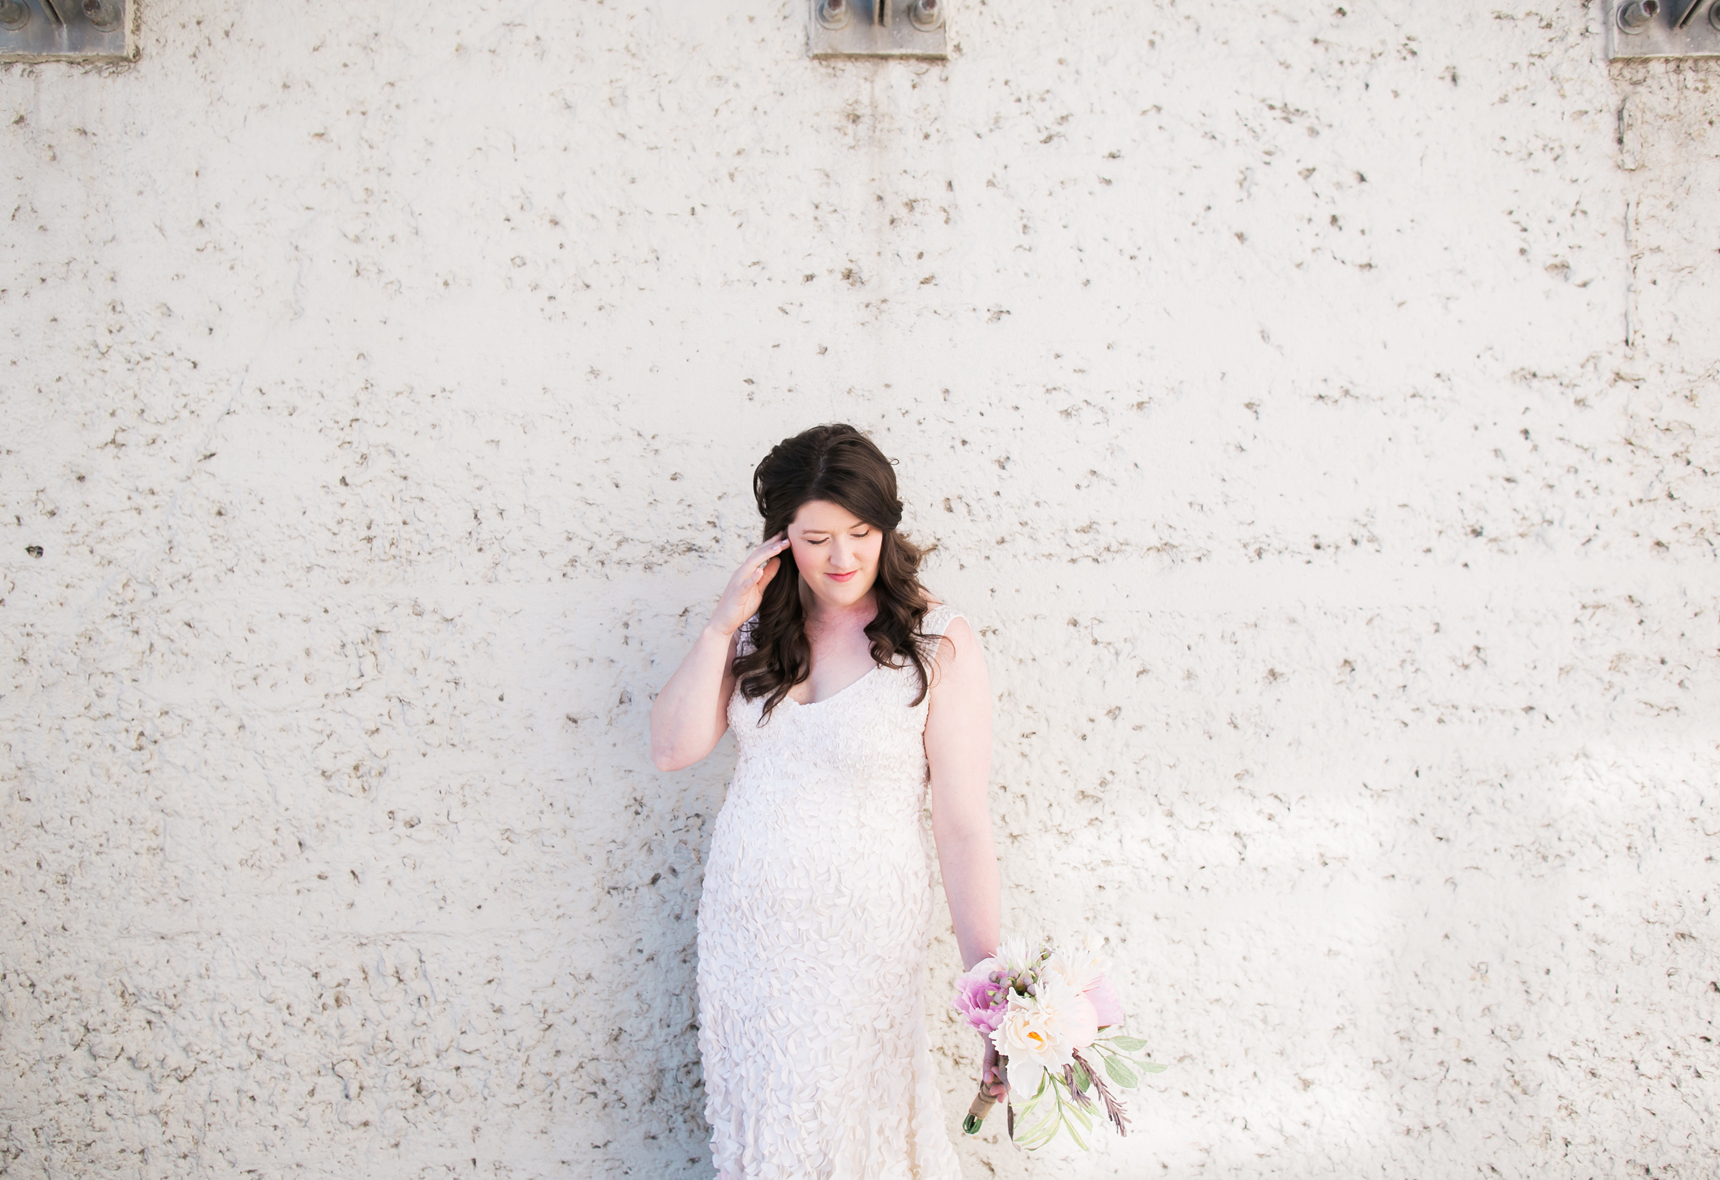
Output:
[[1085, 969], [1082, 967], [1046, 1028]]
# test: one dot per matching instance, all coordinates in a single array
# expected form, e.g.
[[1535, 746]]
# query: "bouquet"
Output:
[[1052, 1016]]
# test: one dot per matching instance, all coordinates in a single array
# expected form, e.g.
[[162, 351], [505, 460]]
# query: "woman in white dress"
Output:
[[851, 692]]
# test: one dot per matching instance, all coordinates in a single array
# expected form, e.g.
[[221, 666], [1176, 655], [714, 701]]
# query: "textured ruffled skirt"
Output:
[[811, 1021]]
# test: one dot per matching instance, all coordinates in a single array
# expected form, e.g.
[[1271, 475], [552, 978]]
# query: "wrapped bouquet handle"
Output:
[[983, 1101], [977, 1112], [981, 1106]]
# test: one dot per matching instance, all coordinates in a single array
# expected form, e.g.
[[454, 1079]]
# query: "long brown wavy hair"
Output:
[[838, 464]]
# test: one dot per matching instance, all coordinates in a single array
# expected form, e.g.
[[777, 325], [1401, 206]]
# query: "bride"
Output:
[[850, 691]]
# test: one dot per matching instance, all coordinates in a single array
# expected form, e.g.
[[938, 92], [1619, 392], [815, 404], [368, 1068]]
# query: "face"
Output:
[[836, 551]]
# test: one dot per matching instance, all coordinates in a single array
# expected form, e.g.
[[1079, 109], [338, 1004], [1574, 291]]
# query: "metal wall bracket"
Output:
[[67, 30], [877, 28], [1662, 28]]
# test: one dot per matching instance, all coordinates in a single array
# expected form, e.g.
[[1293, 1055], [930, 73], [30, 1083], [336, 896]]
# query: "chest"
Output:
[[839, 660], [873, 722]]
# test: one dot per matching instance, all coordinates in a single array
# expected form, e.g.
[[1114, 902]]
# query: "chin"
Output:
[[847, 593]]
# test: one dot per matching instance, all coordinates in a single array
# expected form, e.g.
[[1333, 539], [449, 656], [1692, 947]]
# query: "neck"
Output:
[[825, 616]]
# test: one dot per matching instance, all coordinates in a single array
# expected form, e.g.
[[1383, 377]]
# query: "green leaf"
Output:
[[1152, 1066], [1031, 1133], [1075, 1135], [1054, 1108], [1083, 1113], [1128, 1044], [1083, 1080], [1120, 1073], [1072, 1115]]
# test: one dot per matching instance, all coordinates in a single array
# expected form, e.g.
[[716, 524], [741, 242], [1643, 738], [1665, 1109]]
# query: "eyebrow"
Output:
[[827, 532]]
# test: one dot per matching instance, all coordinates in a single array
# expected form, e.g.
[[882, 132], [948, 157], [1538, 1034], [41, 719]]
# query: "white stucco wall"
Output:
[[1314, 408]]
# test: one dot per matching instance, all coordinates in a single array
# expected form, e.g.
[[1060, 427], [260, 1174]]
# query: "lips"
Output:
[[842, 577]]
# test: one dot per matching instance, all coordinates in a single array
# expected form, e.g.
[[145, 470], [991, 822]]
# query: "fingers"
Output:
[[766, 572], [765, 552]]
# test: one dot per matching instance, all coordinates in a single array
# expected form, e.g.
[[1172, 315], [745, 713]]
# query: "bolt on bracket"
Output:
[[876, 28], [67, 30], [1662, 28]]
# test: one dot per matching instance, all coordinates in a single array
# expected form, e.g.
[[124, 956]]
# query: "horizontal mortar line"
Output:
[[1196, 587], [321, 932], [1129, 584], [1213, 589], [455, 1157]]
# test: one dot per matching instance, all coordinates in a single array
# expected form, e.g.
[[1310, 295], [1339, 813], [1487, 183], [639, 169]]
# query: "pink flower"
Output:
[[981, 997], [1105, 1002], [1084, 968]]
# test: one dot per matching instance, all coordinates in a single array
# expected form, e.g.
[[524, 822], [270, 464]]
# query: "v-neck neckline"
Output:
[[834, 695]]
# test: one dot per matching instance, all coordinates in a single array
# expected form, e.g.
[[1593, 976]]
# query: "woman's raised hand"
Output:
[[690, 715], [745, 590]]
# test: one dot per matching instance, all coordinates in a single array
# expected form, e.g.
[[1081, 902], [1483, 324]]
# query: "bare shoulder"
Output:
[[958, 649], [958, 633], [960, 685]]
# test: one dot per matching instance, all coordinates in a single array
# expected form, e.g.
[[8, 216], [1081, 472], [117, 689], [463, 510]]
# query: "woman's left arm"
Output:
[[958, 752]]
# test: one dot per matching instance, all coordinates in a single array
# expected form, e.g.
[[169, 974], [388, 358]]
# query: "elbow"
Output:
[[667, 755], [677, 751], [965, 831], [663, 751]]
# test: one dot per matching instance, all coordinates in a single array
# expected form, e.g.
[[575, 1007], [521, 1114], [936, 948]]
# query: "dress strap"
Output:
[[936, 622]]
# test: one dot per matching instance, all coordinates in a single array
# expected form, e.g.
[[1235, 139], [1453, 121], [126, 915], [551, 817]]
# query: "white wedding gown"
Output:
[[813, 927]]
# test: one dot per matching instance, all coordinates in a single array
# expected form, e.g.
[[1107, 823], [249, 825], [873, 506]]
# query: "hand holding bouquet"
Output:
[[1044, 1011]]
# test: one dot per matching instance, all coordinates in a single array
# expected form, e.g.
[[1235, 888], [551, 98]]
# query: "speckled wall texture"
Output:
[[1313, 406]]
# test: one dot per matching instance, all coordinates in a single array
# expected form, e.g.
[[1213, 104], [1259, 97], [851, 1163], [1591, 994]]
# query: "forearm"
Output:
[[968, 861], [684, 717]]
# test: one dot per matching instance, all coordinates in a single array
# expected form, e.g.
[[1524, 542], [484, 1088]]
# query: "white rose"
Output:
[[1047, 1028]]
